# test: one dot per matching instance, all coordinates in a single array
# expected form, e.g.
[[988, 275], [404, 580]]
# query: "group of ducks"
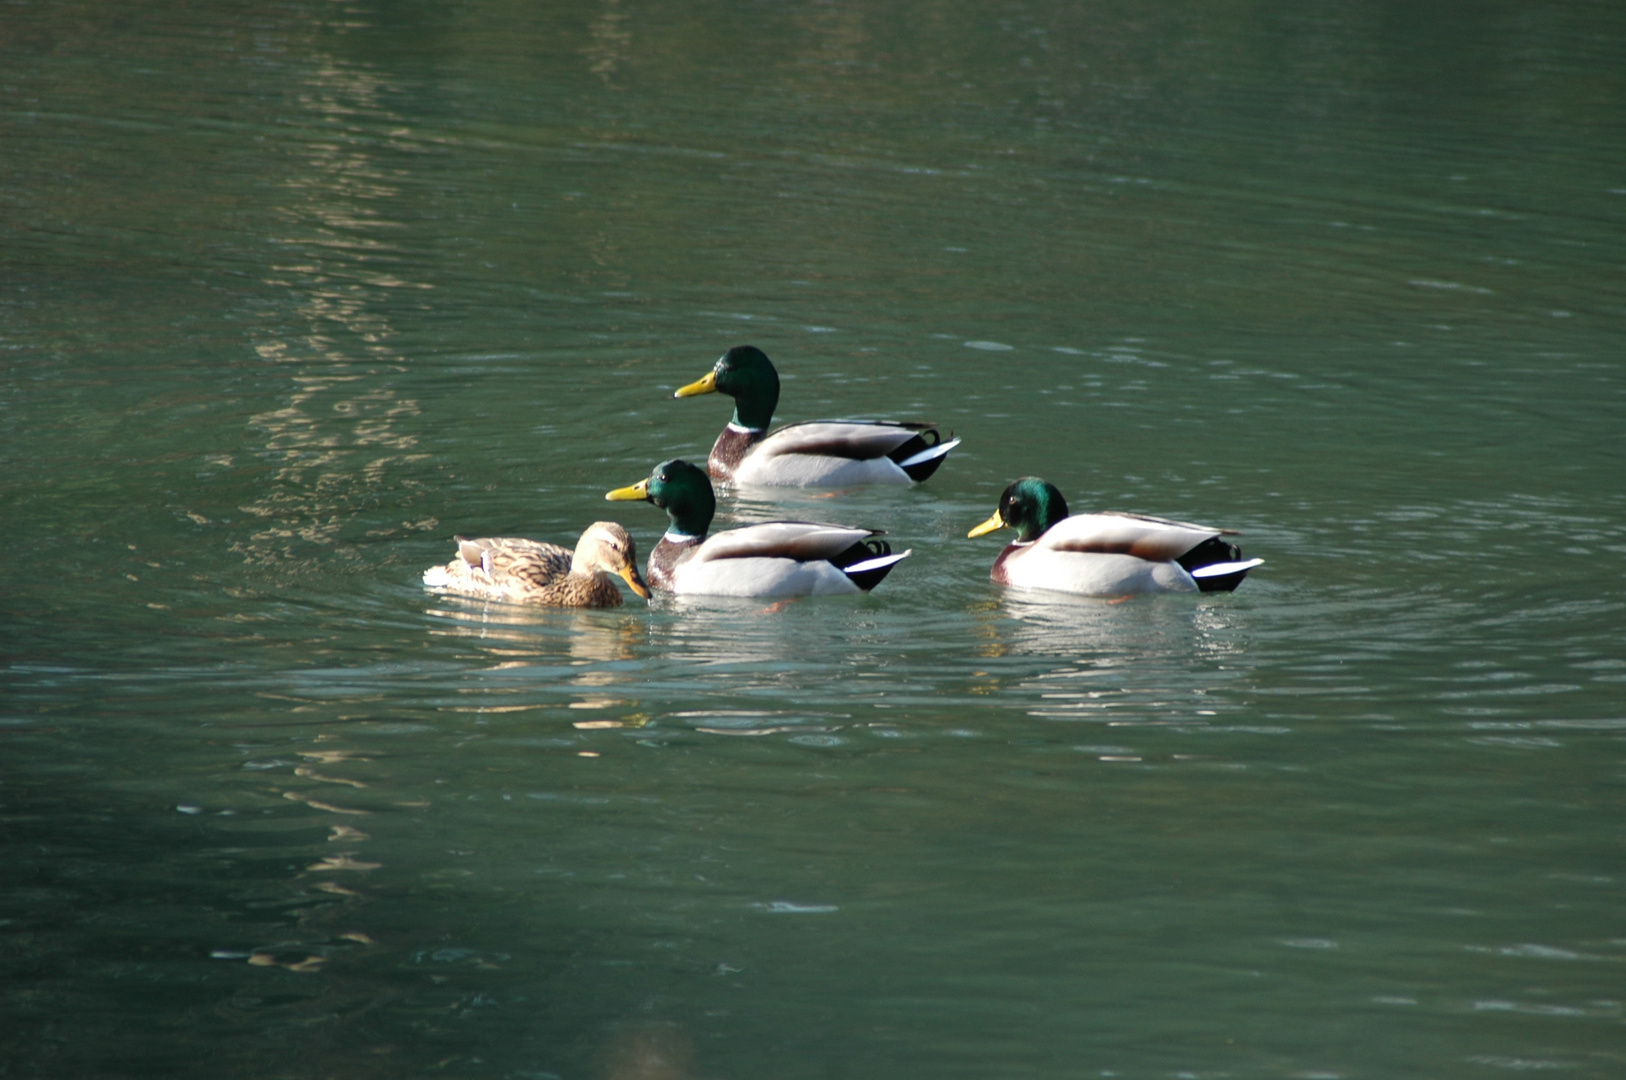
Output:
[[1105, 554]]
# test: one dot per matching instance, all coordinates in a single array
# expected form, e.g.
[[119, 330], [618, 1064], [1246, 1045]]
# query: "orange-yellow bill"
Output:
[[995, 522]]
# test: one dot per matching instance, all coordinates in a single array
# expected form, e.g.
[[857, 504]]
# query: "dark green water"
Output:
[[291, 293]]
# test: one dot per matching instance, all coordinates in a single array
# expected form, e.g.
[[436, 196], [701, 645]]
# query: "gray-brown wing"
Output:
[[1154, 539], [803, 541], [531, 560], [1150, 520], [860, 440]]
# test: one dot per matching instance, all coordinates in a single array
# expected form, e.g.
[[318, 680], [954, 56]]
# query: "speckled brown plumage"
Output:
[[532, 572]]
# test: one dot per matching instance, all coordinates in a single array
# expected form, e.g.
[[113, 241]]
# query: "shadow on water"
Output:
[[282, 910]]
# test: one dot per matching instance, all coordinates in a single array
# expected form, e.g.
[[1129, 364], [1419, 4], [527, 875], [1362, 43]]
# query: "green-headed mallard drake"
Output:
[[777, 558], [814, 453], [1106, 554], [531, 572]]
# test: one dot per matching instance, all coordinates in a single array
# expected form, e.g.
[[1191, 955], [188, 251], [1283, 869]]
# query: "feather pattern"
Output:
[[1106, 554], [799, 540], [776, 558], [533, 572], [1146, 538], [834, 453], [815, 453]]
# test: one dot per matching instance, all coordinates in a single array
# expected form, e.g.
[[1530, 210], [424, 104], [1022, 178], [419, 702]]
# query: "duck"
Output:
[[772, 559], [813, 453], [1106, 554], [533, 572]]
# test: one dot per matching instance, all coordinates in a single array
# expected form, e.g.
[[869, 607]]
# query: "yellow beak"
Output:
[[636, 493], [707, 385], [634, 581], [995, 522]]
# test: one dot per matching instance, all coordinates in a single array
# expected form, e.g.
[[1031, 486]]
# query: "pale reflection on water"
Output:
[[592, 649], [344, 431], [1158, 660], [649, 1052]]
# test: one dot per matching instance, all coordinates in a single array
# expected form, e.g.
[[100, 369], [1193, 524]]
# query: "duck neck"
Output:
[[754, 406], [1034, 527], [690, 516]]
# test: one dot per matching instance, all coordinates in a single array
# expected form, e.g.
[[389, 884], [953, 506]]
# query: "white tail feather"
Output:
[[1219, 568], [929, 453], [875, 563]]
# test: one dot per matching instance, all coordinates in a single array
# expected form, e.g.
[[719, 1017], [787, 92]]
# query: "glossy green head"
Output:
[[1030, 506], [745, 374], [682, 490]]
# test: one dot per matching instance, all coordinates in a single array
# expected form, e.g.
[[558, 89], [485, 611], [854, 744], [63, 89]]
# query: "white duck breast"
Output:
[[830, 453], [780, 558]]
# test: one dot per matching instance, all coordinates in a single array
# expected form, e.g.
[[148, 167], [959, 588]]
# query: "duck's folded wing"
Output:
[[1206, 530], [514, 554], [1153, 539], [861, 440], [802, 541]]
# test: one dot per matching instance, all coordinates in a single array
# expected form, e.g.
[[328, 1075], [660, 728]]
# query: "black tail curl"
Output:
[[925, 438], [1211, 551], [873, 548]]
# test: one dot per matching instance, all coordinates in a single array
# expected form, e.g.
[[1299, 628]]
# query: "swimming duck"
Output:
[[1107, 554], [814, 453], [531, 572], [777, 558]]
